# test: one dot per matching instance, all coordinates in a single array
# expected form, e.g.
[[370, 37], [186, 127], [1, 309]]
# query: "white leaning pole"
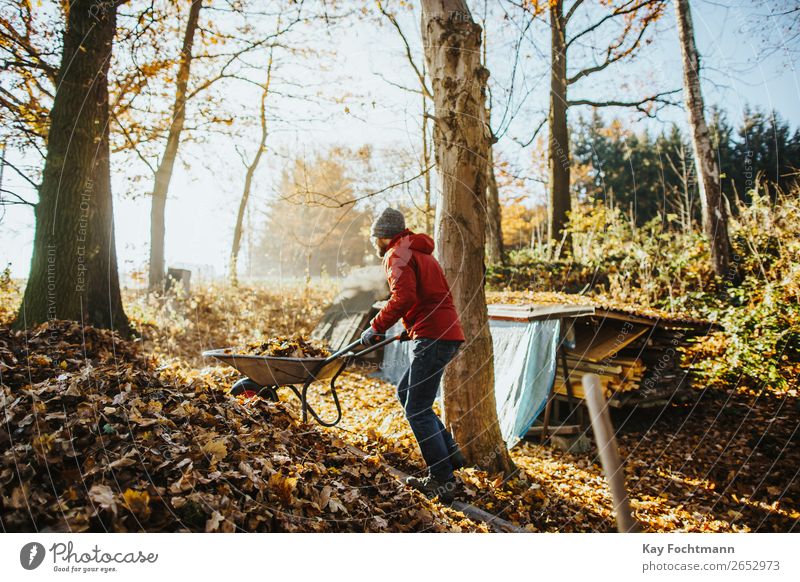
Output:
[[609, 454]]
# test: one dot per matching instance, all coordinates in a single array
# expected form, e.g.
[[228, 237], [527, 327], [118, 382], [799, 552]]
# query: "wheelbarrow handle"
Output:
[[343, 351], [379, 345], [349, 348]]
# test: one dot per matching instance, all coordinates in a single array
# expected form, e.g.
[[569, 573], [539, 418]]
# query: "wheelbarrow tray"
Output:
[[273, 371], [277, 371]]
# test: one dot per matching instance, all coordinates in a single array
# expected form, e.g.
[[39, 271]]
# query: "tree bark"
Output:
[[163, 175], [248, 179], [461, 143], [559, 202], [426, 161], [494, 217], [715, 217], [74, 265]]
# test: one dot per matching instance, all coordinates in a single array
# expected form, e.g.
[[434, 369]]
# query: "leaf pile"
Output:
[[282, 347], [374, 421], [95, 438]]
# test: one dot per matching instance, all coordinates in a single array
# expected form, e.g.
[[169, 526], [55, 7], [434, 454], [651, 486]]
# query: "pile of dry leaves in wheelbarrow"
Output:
[[282, 347], [94, 437]]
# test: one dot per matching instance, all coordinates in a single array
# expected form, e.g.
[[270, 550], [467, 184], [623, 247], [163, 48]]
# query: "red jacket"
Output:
[[420, 294]]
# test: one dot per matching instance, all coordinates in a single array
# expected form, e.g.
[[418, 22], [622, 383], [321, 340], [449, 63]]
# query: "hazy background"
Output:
[[348, 98]]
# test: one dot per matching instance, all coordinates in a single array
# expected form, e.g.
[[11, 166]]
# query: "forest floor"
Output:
[[102, 434], [728, 462], [97, 437]]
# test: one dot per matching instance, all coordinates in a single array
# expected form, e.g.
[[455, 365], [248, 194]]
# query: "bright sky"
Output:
[[204, 195]]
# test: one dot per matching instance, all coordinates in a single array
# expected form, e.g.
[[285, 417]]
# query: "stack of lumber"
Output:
[[637, 360], [616, 376]]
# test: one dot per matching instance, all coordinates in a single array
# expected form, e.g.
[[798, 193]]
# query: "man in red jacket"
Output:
[[420, 296]]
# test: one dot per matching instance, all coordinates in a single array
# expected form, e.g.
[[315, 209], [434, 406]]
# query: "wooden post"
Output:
[[609, 454]]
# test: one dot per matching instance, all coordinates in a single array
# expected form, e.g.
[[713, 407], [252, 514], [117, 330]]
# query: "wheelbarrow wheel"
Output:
[[245, 387]]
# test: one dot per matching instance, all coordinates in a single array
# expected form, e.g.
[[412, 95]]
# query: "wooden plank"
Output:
[[562, 430], [613, 400], [595, 367], [660, 322], [608, 340], [537, 311]]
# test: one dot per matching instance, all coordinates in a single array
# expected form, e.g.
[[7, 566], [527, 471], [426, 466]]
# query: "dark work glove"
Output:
[[370, 337], [404, 337]]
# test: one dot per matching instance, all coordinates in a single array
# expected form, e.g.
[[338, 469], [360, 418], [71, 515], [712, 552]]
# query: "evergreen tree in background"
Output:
[[645, 174]]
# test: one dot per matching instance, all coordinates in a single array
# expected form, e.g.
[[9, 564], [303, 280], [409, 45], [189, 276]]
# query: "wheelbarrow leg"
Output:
[[269, 393], [306, 407]]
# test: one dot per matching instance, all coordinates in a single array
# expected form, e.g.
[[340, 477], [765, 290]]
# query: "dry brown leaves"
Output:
[[96, 438], [725, 463], [283, 347]]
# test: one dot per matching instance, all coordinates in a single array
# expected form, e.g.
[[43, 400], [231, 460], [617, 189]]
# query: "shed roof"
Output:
[[605, 307]]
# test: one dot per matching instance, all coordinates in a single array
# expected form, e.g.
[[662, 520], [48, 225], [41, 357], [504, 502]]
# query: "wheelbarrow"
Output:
[[265, 374]]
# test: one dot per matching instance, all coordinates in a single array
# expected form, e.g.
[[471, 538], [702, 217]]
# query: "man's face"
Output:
[[380, 244]]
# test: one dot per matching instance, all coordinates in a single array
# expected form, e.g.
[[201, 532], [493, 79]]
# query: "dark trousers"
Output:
[[417, 391]]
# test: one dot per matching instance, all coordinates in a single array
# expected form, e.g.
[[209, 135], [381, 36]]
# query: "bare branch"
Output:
[[533, 137], [427, 92], [609, 59], [337, 204], [130, 141], [639, 105], [20, 173], [626, 8], [19, 199], [572, 10]]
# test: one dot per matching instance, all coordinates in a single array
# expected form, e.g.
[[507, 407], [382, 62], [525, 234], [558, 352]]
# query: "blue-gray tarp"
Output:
[[524, 368]]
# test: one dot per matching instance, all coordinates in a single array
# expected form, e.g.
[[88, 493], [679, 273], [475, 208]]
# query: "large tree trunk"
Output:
[[248, 179], [558, 147], [494, 217], [74, 265], [461, 143], [163, 176], [715, 217]]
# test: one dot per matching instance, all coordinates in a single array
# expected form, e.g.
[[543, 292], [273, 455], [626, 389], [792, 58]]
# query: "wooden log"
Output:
[[562, 430], [609, 453]]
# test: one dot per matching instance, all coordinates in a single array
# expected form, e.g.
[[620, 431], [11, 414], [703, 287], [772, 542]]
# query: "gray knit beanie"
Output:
[[388, 224]]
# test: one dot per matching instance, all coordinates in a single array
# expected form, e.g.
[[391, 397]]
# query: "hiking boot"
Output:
[[431, 487], [457, 459]]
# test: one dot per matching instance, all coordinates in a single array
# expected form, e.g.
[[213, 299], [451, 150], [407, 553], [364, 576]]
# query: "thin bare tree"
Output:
[[635, 17], [714, 212], [163, 175], [252, 166]]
